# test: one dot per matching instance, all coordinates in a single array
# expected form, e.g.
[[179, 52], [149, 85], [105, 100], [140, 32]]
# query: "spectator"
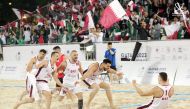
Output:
[[41, 38], [110, 54], [60, 35], [142, 31], [65, 37], [46, 34], [27, 34], [3, 38], [140, 25], [12, 40], [34, 38]]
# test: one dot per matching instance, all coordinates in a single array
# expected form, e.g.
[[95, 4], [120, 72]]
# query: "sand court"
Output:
[[124, 97]]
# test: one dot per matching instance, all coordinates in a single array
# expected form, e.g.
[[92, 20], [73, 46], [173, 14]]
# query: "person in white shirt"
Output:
[[96, 35]]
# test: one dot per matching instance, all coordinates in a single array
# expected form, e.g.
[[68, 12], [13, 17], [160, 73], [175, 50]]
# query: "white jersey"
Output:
[[162, 102], [44, 73], [71, 73], [96, 74], [94, 79]]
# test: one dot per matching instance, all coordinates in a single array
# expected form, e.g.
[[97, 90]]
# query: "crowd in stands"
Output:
[[62, 21]]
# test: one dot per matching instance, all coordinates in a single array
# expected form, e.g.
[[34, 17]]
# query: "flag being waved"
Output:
[[112, 14], [89, 23]]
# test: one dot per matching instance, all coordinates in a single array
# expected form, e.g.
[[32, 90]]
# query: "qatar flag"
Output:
[[89, 23], [21, 13], [112, 14], [172, 30], [17, 12]]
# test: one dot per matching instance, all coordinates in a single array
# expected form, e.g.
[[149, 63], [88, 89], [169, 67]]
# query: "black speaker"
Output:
[[136, 50]]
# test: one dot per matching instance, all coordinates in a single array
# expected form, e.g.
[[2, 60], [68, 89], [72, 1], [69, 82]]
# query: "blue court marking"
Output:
[[180, 99], [114, 91], [185, 94]]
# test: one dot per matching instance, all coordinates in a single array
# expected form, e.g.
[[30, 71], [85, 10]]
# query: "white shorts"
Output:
[[31, 87], [74, 89], [90, 81], [42, 86]]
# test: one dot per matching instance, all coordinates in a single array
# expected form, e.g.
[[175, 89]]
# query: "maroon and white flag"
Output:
[[89, 23], [112, 14]]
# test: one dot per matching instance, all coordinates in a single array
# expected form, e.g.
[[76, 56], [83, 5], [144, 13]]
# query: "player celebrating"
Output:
[[70, 81], [90, 77], [62, 57], [42, 75], [161, 93], [34, 64]]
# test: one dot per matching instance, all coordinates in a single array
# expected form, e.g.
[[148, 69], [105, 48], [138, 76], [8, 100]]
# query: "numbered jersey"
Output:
[[162, 102], [71, 73]]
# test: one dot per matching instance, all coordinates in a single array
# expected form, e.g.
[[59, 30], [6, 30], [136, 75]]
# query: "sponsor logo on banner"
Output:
[[140, 56], [11, 70], [152, 70]]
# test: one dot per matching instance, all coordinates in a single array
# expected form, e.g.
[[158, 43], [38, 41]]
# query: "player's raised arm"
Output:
[[30, 64]]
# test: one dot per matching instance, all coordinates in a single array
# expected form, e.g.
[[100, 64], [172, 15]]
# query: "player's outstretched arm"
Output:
[[119, 74], [142, 93]]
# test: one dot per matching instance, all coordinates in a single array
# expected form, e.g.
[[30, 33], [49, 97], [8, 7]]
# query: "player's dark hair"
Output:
[[164, 76], [43, 51], [109, 43], [106, 61], [56, 47]]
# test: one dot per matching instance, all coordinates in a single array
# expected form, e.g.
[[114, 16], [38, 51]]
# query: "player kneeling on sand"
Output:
[[161, 93]]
